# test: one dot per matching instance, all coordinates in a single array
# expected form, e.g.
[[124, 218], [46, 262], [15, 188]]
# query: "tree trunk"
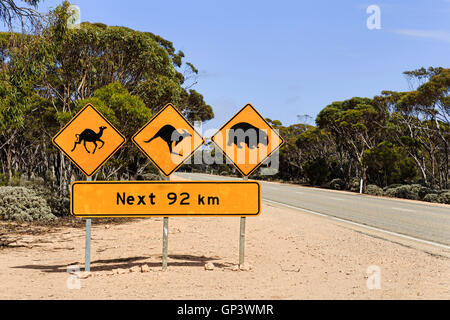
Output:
[[363, 174], [8, 162]]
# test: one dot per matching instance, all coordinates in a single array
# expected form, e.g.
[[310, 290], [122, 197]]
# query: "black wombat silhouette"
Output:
[[89, 135], [240, 133], [169, 134]]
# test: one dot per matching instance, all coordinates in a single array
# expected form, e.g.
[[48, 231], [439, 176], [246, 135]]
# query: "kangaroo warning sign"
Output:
[[88, 140], [247, 140], [168, 139], [165, 198]]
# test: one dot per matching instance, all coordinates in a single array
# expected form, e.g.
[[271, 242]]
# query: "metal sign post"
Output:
[[242, 242], [165, 242], [242, 238], [87, 256]]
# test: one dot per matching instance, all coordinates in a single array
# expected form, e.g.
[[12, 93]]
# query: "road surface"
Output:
[[418, 220]]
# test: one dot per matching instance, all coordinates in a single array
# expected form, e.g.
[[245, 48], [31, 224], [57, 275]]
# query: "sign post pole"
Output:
[[87, 257], [242, 238], [165, 242], [242, 242]]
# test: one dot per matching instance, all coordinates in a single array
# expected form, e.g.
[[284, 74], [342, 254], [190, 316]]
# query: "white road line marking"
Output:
[[338, 199], [364, 226], [299, 192], [401, 209], [286, 205]]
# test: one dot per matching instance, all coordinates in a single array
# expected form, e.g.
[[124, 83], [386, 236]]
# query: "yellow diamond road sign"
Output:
[[247, 140], [88, 140], [168, 139]]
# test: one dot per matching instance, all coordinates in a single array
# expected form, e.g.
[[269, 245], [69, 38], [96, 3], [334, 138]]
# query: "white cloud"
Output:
[[430, 34]]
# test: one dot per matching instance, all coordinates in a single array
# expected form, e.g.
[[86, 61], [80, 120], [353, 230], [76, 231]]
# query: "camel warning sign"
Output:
[[88, 140], [247, 140], [168, 139]]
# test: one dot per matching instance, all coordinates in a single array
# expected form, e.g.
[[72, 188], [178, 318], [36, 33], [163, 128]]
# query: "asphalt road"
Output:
[[414, 219]]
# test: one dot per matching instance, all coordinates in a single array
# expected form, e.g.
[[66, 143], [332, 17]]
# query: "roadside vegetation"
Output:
[[49, 72], [396, 142]]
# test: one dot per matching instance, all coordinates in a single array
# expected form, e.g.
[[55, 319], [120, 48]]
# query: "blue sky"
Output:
[[288, 58]]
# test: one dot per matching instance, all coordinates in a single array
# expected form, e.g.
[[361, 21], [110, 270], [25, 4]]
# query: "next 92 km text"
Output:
[[182, 199]]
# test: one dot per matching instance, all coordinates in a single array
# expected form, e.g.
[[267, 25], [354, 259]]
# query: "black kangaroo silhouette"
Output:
[[240, 133], [169, 134], [89, 135]]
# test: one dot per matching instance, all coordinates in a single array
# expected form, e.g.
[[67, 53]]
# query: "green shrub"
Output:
[[152, 177], [23, 204], [337, 184], [423, 191], [444, 197], [432, 197], [59, 204], [374, 190], [392, 186], [147, 177], [391, 192], [405, 192], [355, 184]]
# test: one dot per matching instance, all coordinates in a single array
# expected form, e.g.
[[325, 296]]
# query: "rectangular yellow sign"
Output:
[[165, 198]]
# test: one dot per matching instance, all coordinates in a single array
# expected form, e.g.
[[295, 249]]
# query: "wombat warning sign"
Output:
[[247, 140]]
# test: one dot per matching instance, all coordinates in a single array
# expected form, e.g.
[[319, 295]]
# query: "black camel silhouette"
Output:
[[89, 135], [169, 134]]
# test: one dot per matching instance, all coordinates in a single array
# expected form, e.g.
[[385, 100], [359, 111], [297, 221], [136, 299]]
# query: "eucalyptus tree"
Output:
[[48, 76], [27, 16], [420, 122], [356, 125]]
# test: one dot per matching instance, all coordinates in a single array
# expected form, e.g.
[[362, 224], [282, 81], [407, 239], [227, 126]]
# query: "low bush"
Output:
[[438, 197], [431, 197], [23, 204], [338, 184], [374, 190], [405, 192], [444, 197], [59, 204], [423, 191], [392, 186], [355, 184], [152, 177]]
